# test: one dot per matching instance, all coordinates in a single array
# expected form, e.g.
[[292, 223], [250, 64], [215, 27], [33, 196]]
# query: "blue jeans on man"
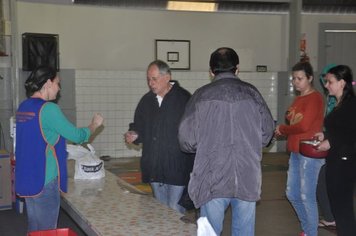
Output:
[[243, 215], [168, 195], [43, 209], [302, 181]]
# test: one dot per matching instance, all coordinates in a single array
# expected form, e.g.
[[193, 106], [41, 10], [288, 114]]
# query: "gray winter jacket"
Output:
[[226, 123]]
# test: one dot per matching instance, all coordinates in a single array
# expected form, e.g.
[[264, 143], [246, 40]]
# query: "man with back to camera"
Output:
[[226, 123], [155, 125]]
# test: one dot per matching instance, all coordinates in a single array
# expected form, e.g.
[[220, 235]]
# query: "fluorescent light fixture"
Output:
[[340, 31], [192, 6]]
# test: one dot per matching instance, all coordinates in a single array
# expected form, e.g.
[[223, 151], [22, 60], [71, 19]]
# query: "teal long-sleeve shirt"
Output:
[[55, 124]]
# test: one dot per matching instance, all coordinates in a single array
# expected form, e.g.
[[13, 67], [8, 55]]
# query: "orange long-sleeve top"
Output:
[[305, 118]]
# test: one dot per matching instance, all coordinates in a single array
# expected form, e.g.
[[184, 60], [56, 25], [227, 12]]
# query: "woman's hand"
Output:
[[277, 132], [319, 136], [96, 122], [323, 146]]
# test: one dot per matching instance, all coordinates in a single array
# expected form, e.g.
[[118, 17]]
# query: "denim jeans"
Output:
[[302, 181], [43, 209], [243, 215], [168, 195]]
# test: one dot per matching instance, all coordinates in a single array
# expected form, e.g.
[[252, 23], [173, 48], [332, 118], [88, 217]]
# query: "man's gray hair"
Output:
[[162, 67]]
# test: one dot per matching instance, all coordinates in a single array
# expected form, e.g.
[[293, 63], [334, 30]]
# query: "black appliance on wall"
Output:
[[39, 49]]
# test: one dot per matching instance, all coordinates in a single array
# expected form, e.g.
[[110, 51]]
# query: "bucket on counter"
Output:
[[53, 232]]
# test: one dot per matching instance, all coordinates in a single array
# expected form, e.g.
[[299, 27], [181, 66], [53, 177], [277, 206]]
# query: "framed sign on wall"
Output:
[[176, 53]]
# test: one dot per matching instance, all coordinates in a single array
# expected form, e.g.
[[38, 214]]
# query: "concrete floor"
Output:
[[274, 214]]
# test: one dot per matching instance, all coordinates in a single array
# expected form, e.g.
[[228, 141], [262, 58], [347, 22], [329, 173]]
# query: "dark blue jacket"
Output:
[[30, 153]]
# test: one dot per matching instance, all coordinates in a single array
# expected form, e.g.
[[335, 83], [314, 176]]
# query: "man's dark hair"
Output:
[[224, 60]]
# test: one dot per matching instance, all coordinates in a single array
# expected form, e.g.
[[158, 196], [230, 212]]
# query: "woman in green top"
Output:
[[41, 131]]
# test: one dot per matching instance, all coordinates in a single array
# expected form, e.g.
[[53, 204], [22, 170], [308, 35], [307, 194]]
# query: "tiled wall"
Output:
[[115, 94]]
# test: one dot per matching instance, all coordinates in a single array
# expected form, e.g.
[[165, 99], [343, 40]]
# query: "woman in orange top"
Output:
[[304, 118]]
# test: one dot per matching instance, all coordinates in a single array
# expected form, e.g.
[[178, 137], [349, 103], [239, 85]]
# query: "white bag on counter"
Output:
[[87, 164]]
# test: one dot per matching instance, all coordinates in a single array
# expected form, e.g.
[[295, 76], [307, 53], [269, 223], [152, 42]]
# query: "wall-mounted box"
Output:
[[40, 49]]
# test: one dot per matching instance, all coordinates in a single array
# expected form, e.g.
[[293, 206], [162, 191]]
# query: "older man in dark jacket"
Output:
[[155, 125], [226, 123]]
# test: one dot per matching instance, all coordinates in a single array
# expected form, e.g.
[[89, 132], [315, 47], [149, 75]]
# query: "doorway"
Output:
[[337, 44]]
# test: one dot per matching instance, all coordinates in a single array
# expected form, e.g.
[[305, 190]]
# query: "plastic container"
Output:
[[54, 232]]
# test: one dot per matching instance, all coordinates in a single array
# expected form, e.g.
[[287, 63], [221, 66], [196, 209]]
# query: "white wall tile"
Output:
[[115, 94]]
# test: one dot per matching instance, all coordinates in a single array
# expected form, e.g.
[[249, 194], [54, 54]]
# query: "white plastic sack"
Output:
[[205, 228], [87, 164]]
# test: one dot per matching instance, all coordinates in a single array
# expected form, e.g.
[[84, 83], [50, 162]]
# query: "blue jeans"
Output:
[[243, 215], [302, 180], [43, 209], [168, 195]]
